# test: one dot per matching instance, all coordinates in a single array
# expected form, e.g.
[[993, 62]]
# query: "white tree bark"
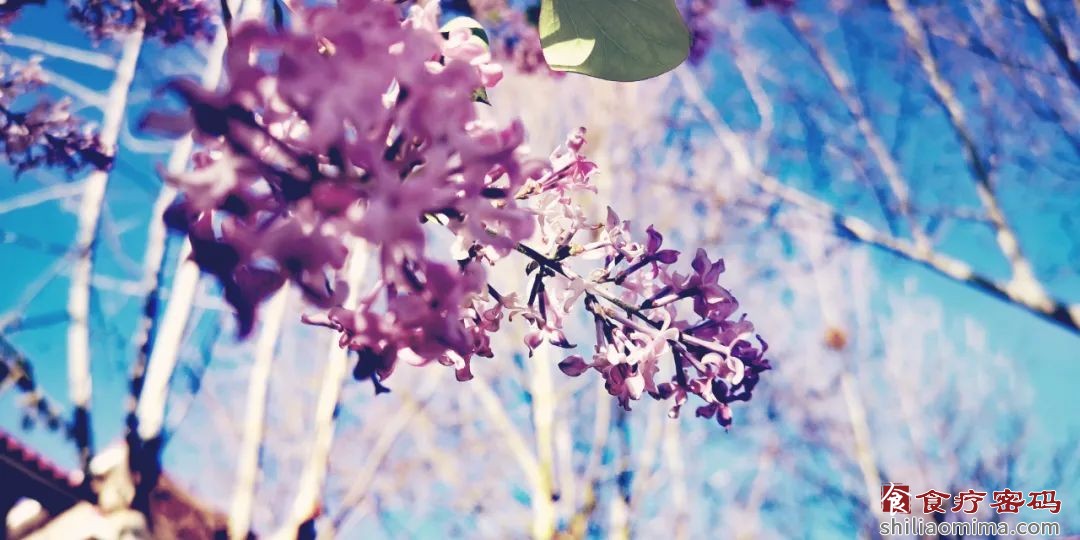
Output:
[[247, 469], [187, 274], [89, 220], [150, 409], [313, 477], [543, 414]]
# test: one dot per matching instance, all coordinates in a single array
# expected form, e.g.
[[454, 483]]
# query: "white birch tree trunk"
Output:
[[89, 220], [247, 469]]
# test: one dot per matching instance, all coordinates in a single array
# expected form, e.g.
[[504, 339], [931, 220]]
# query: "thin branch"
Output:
[[858, 230], [77, 90], [43, 195], [390, 430], [30, 242], [1024, 286], [11, 318], [1051, 32], [64, 52], [78, 339], [803, 29], [525, 458]]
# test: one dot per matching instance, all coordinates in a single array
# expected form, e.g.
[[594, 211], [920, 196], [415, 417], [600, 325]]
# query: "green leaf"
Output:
[[466, 22], [480, 95], [617, 40]]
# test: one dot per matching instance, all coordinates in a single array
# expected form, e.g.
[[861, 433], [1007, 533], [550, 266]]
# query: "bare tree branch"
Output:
[[803, 28], [389, 432], [1024, 287], [858, 230], [1051, 32], [543, 413], [64, 52]]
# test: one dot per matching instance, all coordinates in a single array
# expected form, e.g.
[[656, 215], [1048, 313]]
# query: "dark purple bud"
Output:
[[707, 410], [719, 389], [573, 365], [665, 390]]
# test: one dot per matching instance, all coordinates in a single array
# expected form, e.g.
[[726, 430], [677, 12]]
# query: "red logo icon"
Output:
[[896, 498]]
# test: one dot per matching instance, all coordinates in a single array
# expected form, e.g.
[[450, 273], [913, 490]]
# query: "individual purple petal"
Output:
[[574, 365]]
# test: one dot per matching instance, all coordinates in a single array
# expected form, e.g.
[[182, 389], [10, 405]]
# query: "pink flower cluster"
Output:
[[171, 21], [658, 331], [10, 9], [702, 31], [358, 124], [775, 4], [697, 14], [44, 133], [362, 122], [514, 38]]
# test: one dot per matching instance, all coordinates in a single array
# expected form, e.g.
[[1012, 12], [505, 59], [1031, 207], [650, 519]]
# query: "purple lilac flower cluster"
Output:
[[658, 331], [361, 123], [357, 124], [36, 130], [696, 14], [171, 21], [515, 39], [10, 9], [775, 4]]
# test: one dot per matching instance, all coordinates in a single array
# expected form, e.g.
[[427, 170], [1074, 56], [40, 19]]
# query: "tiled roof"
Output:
[[28, 474]]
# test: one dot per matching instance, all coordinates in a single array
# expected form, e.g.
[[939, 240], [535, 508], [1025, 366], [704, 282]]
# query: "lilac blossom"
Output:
[[697, 15], [10, 9], [646, 342], [514, 39], [171, 21], [37, 130], [362, 123], [775, 4], [702, 30]]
